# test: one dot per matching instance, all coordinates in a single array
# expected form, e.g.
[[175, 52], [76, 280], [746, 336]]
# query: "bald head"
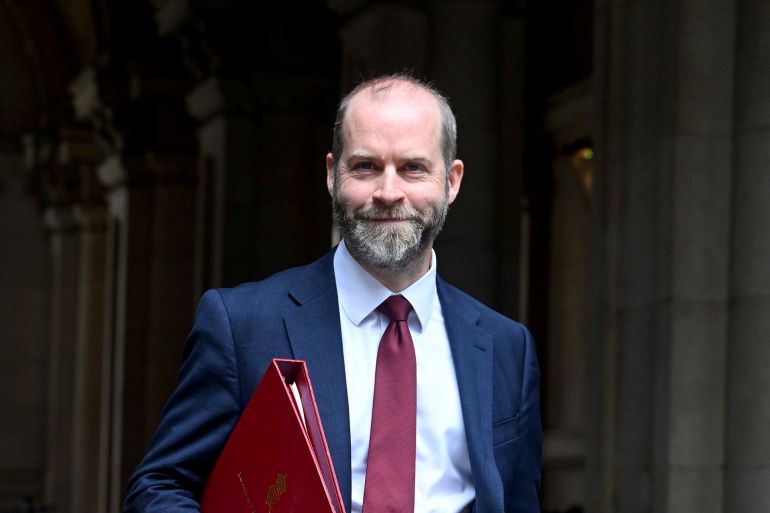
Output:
[[380, 89]]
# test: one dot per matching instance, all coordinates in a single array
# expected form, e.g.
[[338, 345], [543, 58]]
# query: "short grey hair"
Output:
[[381, 85]]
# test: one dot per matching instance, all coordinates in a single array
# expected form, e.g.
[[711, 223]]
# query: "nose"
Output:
[[389, 190]]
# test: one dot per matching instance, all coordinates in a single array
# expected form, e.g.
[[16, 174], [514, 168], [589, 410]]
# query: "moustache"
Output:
[[372, 213]]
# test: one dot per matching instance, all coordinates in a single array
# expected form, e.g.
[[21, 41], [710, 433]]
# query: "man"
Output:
[[433, 408]]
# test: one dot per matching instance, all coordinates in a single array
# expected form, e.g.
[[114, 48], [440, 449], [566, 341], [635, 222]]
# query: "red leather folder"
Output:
[[275, 461]]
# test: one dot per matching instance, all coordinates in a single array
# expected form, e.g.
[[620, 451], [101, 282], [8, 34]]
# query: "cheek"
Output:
[[353, 192], [428, 195]]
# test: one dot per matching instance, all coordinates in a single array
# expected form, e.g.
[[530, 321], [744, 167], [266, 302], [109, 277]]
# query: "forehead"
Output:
[[393, 110]]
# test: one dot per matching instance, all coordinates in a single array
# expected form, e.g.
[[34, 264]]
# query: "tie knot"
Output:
[[397, 308]]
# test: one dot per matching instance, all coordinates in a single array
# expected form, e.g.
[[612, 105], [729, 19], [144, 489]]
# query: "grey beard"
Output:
[[391, 247]]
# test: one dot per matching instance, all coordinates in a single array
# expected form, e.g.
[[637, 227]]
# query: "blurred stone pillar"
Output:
[[748, 410], [264, 126], [62, 164], [127, 320], [661, 253], [87, 372], [227, 205], [132, 100], [79, 151], [698, 151], [63, 238], [61, 185], [465, 43], [149, 304], [564, 349]]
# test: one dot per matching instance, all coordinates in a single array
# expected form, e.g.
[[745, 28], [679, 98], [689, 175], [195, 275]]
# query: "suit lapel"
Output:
[[472, 353], [313, 329]]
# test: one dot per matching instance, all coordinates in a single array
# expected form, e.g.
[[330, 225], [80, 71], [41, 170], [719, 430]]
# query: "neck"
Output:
[[397, 280]]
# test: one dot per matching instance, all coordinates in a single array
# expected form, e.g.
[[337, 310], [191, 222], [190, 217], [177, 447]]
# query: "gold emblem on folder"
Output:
[[275, 491]]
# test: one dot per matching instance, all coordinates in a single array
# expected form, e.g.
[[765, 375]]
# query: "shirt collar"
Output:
[[360, 293]]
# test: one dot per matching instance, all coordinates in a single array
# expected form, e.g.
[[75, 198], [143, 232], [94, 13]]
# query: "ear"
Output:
[[329, 173], [455, 178]]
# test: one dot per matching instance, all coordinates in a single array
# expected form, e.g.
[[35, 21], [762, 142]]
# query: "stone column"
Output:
[[61, 166], [262, 202], [133, 100], [73, 175], [563, 382], [149, 306], [227, 206], [64, 260], [260, 175], [465, 64], [86, 412], [665, 154], [699, 152], [127, 323], [748, 411]]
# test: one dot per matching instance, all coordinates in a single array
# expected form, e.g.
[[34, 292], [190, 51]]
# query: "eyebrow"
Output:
[[359, 155], [406, 158], [417, 158]]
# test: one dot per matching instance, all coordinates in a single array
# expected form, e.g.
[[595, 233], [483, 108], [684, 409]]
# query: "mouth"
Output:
[[387, 220], [386, 216]]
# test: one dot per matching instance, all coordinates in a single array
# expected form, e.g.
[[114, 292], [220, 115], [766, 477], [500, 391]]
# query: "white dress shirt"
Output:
[[442, 468]]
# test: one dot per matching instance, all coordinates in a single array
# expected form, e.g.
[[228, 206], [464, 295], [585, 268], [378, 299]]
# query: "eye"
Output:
[[364, 165], [413, 167]]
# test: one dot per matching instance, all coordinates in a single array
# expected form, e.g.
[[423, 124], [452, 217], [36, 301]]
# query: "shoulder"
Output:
[[455, 300]]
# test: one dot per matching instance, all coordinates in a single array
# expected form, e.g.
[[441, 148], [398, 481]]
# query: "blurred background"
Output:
[[616, 199]]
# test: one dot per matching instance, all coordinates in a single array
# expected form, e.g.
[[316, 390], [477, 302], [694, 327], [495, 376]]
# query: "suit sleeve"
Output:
[[195, 423]]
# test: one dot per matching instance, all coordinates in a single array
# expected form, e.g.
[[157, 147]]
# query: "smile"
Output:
[[385, 220]]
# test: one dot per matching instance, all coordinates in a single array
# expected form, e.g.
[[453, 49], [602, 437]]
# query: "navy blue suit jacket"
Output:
[[295, 314]]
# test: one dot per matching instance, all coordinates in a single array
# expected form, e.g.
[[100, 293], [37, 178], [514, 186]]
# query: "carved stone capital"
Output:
[[59, 219], [90, 217], [62, 166], [215, 96], [146, 170]]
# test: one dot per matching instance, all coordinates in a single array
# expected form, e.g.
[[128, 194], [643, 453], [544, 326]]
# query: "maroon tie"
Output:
[[389, 484]]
